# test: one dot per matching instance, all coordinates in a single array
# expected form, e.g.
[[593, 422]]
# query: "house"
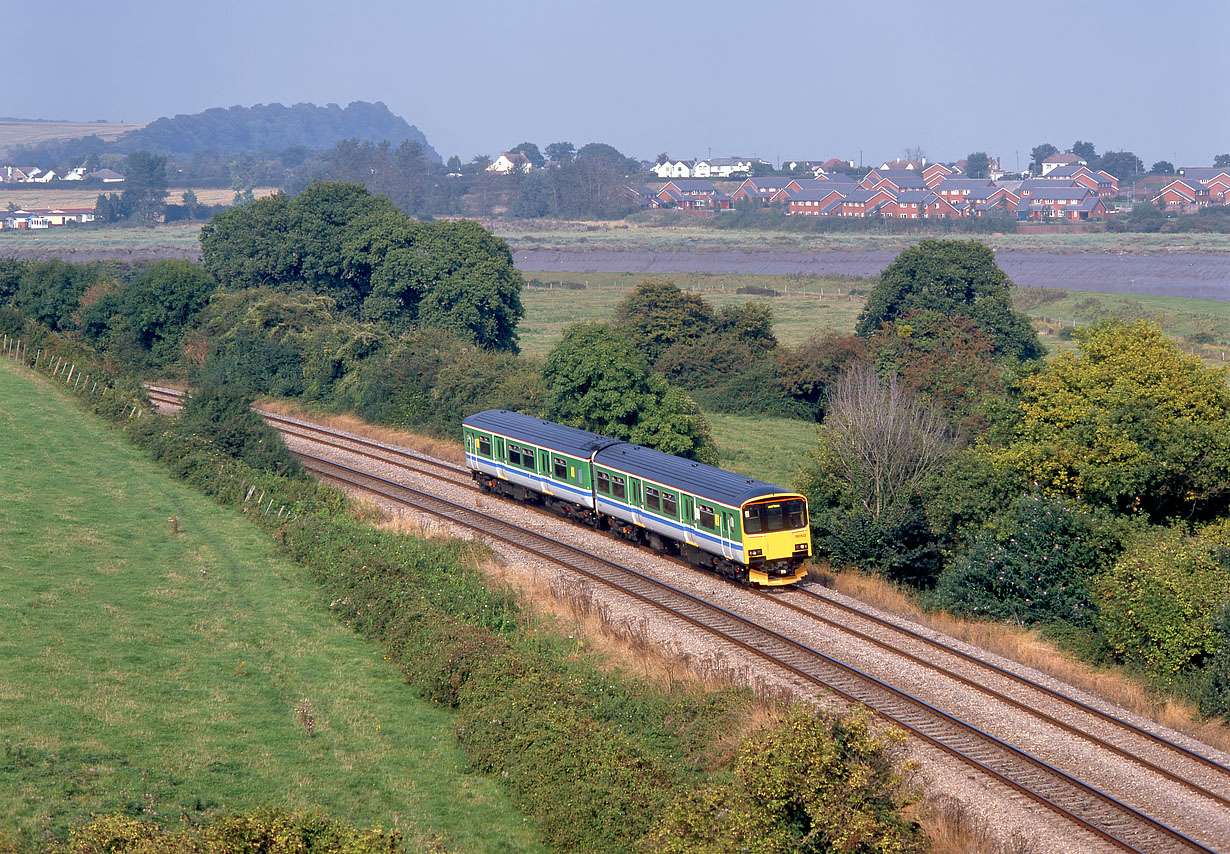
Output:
[[1062, 158], [896, 179], [668, 169], [693, 194], [811, 202], [955, 189], [911, 204], [912, 165], [1216, 178], [724, 167], [15, 174], [1184, 194], [835, 164], [508, 162], [75, 174], [1066, 203], [106, 176], [759, 189], [1028, 187], [859, 203], [1102, 183], [935, 173], [44, 177]]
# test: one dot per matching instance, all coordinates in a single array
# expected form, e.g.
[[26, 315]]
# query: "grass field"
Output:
[[808, 304], [772, 449], [644, 237], [37, 196], [161, 674], [108, 241], [27, 132]]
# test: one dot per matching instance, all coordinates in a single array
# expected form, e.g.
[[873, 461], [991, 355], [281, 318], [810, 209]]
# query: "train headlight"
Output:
[[755, 553], [800, 547]]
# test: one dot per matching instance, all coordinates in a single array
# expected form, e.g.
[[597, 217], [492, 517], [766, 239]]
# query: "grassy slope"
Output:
[[28, 132], [158, 673]]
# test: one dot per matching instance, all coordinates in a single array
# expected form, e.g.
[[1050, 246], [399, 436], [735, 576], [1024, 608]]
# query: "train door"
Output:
[[727, 534], [544, 470], [688, 517], [501, 454], [634, 499]]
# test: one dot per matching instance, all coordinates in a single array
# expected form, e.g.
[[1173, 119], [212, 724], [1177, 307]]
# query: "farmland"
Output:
[[28, 132], [164, 674], [36, 196]]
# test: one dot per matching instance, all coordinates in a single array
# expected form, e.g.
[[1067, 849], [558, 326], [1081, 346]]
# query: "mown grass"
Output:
[[772, 449], [95, 237], [162, 674]]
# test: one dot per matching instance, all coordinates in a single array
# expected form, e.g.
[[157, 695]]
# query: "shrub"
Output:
[[809, 784], [1035, 570], [1214, 689], [1156, 605], [223, 416]]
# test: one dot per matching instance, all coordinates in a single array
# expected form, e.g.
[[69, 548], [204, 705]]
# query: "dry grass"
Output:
[[1028, 647], [442, 449], [29, 132], [37, 196], [954, 829]]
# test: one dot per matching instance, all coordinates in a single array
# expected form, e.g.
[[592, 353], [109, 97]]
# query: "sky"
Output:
[[777, 79]]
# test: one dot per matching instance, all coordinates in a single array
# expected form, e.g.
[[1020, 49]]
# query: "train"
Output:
[[741, 528]]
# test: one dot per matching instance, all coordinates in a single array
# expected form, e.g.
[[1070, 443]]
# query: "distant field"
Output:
[[809, 305], [21, 132], [687, 236], [26, 196], [159, 675], [772, 449], [94, 242]]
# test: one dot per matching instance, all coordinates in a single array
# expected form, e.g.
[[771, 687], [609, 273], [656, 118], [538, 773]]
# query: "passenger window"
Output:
[[707, 518], [514, 454], [653, 499], [604, 482], [484, 445], [751, 521], [561, 469], [668, 505], [618, 488]]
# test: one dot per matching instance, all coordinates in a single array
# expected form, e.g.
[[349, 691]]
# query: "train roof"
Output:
[[701, 480], [548, 434]]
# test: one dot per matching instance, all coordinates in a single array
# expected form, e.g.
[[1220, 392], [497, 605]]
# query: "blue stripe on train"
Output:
[[539, 479]]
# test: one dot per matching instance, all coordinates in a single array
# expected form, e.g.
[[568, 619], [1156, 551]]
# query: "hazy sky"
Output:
[[781, 79]]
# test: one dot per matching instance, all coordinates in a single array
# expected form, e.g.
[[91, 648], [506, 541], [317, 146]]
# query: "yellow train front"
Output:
[[776, 539]]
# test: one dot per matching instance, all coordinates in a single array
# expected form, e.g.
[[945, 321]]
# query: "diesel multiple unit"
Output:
[[737, 526]]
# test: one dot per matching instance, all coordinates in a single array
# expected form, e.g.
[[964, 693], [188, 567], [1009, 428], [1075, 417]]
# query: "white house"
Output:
[[669, 169], [724, 167], [508, 162]]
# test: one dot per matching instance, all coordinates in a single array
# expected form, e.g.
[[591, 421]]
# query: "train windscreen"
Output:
[[775, 516]]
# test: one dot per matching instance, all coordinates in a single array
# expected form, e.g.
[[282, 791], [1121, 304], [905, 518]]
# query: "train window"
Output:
[[653, 499], [484, 445], [618, 488], [796, 514], [514, 454], [707, 518], [668, 505], [751, 520], [561, 469], [603, 481]]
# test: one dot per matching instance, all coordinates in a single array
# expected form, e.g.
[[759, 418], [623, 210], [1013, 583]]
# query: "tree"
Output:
[[191, 204], [145, 187], [1221, 160], [561, 152], [977, 165], [453, 166], [657, 314], [1121, 164], [51, 291], [1039, 154], [1130, 423], [884, 441], [663, 157], [597, 381], [952, 277], [1085, 151], [1161, 167], [531, 152]]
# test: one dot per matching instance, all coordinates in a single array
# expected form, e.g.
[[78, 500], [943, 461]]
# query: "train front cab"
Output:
[[776, 539]]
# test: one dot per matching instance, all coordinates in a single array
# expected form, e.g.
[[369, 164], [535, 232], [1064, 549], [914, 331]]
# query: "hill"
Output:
[[263, 127]]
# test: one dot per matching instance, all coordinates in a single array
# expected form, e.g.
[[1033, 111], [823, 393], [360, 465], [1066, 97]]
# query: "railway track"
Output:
[[1095, 811]]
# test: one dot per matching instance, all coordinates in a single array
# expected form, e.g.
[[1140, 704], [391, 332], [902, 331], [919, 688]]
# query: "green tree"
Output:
[[1085, 151], [951, 277], [1121, 164], [151, 311], [250, 247], [1040, 153], [1161, 167], [1221, 160], [51, 291], [561, 152], [530, 150], [658, 314], [1157, 604], [1130, 422], [977, 165], [475, 289], [597, 381], [145, 187], [191, 203]]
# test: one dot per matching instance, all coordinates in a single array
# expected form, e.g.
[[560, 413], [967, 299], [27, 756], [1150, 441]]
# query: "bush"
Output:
[[1156, 605], [223, 416], [1214, 688], [1036, 569]]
